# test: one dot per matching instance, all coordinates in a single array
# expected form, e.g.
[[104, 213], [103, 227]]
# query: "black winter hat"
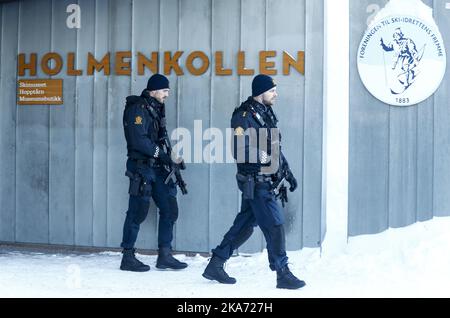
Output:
[[261, 84], [157, 82]]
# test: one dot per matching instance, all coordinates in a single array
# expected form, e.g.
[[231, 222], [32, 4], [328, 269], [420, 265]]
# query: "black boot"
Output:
[[131, 263], [287, 280], [167, 261], [215, 271]]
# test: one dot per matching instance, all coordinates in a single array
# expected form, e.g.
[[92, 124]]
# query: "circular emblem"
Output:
[[402, 60]]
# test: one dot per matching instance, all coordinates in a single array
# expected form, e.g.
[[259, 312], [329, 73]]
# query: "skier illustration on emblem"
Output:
[[406, 61]]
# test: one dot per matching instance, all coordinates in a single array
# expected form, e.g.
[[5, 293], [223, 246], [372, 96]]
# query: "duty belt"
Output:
[[262, 179], [145, 162]]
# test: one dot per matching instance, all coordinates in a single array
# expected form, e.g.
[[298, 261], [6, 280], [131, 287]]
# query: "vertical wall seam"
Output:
[[49, 130], [1, 39], [350, 134], [1, 54], [324, 139], [75, 141], [304, 128], [266, 4], [179, 80], [388, 170], [240, 84], [107, 124], [156, 228], [93, 130], [416, 170], [16, 131], [159, 69], [2, 9], [433, 154], [133, 49], [323, 186], [416, 165], [433, 163], [179, 83], [211, 90]]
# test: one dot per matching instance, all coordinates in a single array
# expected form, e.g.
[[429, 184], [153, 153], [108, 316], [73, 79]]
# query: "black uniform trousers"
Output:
[[164, 195], [265, 212]]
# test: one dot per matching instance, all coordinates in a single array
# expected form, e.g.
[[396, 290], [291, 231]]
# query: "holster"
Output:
[[135, 183], [247, 186]]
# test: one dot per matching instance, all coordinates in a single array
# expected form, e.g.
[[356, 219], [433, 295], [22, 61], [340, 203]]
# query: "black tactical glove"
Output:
[[292, 181], [182, 165]]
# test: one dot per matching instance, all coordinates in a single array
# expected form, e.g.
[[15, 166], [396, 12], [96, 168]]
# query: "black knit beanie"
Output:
[[157, 82], [261, 84]]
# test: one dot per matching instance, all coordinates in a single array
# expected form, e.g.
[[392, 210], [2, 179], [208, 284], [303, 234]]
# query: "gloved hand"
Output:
[[292, 181], [182, 165], [179, 164]]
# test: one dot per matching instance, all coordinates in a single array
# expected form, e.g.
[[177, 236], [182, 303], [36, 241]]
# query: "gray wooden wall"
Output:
[[399, 170], [62, 167]]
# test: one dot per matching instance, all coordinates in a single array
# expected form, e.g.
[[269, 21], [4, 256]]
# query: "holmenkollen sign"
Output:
[[121, 63], [402, 60], [197, 63]]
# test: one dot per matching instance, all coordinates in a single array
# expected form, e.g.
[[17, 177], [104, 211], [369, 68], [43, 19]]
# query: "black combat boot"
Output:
[[167, 261], [131, 263], [215, 271], [287, 280]]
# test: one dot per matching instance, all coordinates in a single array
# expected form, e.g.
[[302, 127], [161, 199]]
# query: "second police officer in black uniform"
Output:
[[259, 201], [145, 128]]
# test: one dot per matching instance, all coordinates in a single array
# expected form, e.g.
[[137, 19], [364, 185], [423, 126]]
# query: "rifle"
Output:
[[278, 186], [175, 168], [281, 191]]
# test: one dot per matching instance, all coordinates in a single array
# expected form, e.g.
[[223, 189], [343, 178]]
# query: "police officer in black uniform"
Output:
[[259, 201], [145, 127]]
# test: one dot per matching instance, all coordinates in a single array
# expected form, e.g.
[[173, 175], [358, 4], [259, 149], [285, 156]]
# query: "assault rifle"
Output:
[[175, 168]]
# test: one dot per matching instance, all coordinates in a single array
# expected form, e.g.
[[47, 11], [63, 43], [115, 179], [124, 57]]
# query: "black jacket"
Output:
[[261, 119], [144, 125]]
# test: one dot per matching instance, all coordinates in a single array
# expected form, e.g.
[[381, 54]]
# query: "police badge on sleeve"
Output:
[[402, 59]]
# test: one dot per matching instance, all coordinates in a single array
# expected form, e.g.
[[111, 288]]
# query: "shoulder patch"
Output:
[[239, 131], [138, 120]]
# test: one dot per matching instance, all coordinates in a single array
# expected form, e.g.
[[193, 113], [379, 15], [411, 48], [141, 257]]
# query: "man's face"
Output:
[[160, 95], [270, 97]]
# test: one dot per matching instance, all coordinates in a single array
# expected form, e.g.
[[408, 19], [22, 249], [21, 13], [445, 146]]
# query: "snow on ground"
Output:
[[407, 262]]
